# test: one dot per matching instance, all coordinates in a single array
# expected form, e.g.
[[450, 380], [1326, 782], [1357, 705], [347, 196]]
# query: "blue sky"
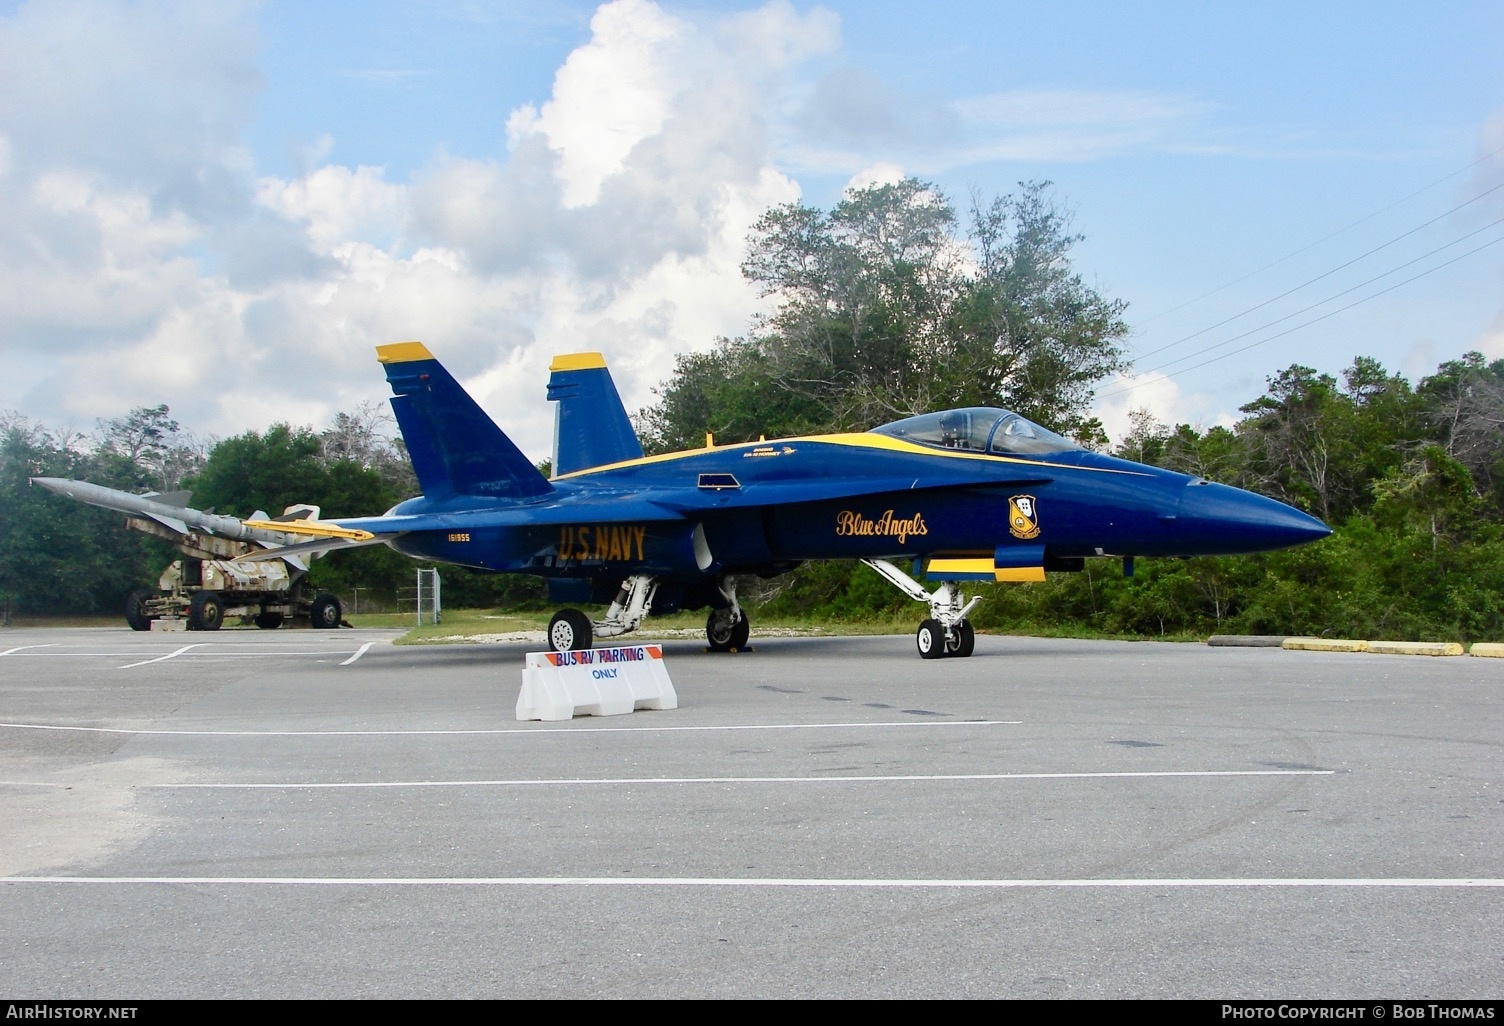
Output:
[[225, 207]]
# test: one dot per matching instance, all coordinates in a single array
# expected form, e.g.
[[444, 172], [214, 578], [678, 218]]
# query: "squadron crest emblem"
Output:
[[1023, 517]]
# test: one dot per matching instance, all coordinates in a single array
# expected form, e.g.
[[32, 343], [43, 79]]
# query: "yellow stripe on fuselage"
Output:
[[854, 439], [403, 352]]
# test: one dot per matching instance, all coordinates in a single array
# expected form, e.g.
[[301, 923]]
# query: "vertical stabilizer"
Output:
[[454, 447], [591, 427]]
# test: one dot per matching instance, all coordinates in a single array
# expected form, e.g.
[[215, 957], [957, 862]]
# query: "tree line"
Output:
[[60, 557], [887, 305]]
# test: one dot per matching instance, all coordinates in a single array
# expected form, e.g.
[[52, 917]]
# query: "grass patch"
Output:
[[66, 621], [462, 626], [465, 625]]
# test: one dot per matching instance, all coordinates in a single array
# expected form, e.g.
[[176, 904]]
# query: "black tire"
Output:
[[268, 621], [325, 612], [569, 631], [206, 611], [966, 640], [728, 639], [930, 640], [135, 609]]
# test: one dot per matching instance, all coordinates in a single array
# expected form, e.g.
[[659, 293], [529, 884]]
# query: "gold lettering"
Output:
[[852, 524], [603, 542]]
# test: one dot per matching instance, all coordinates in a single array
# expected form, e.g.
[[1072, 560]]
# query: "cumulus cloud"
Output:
[[146, 261], [154, 94], [610, 95], [1161, 397], [1491, 343]]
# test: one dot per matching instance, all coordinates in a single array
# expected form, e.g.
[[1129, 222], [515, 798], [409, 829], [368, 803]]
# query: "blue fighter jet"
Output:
[[960, 495]]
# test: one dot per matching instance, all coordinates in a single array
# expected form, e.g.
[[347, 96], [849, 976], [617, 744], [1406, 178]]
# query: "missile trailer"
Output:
[[230, 567], [210, 584]]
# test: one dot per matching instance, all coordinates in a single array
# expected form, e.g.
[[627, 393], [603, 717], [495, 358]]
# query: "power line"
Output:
[[1314, 320], [1328, 299], [1328, 274], [1325, 238]]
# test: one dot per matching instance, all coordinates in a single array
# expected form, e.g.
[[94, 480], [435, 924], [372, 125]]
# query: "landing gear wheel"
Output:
[[965, 641], [569, 631], [268, 621], [135, 609], [206, 611], [728, 637], [325, 613], [930, 640]]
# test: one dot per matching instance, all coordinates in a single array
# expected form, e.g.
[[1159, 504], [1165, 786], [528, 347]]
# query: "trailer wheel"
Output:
[[325, 612], [206, 611], [268, 621], [135, 609]]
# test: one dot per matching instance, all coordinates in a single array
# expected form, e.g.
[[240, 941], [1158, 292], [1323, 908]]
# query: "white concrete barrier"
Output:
[[1324, 645], [595, 682], [1425, 648]]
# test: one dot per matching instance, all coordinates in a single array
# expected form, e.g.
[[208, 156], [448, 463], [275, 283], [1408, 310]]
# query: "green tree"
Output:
[[145, 449], [885, 310], [58, 556], [1463, 405]]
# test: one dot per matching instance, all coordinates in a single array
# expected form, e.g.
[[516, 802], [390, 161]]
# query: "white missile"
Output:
[[177, 517]]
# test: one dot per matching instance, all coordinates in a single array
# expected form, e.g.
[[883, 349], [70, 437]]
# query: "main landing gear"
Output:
[[727, 629], [947, 632]]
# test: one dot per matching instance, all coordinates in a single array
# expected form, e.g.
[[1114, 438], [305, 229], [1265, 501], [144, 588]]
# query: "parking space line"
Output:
[[360, 652], [770, 882], [159, 659], [22, 648], [534, 731], [636, 781]]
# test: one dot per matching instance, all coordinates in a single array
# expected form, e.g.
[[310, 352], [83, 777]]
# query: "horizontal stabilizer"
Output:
[[454, 447]]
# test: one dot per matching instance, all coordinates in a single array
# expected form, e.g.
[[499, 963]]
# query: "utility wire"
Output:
[[1314, 320], [1325, 238], [1326, 274], [1328, 299]]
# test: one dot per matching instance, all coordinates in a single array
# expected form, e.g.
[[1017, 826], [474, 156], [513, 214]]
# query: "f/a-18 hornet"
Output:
[[960, 495]]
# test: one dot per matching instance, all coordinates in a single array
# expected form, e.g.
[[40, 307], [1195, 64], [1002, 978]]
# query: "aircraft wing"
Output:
[[353, 532]]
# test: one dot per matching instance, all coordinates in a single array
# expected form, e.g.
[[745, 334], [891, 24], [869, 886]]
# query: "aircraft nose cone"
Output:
[[1224, 520]]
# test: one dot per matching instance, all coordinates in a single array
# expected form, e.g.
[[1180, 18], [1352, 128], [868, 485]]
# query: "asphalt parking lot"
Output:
[[321, 814]]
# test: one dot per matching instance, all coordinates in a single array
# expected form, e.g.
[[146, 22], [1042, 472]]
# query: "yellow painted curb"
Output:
[[1425, 648], [1323, 645], [1492, 649]]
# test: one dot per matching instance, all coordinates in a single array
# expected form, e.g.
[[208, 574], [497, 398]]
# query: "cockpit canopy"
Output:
[[978, 429]]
